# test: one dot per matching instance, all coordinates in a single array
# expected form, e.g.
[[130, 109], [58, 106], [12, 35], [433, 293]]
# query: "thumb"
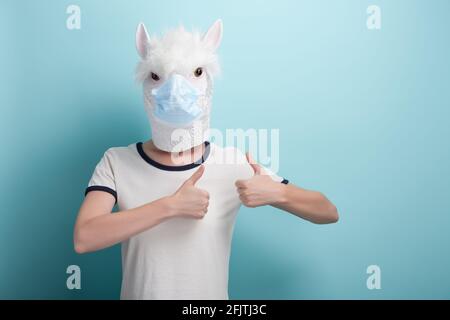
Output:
[[256, 167], [196, 176]]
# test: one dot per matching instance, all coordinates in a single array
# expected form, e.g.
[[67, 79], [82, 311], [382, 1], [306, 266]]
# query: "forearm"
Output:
[[109, 229], [310, 205]]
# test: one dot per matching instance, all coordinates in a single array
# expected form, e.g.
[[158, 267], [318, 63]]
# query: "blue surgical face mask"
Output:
[[176, 101]]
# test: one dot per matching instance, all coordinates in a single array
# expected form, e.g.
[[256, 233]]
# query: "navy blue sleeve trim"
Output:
[[285, 181], [101, 188]]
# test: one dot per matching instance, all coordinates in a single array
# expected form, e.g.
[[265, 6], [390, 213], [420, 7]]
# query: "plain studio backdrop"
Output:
[[363, 117]]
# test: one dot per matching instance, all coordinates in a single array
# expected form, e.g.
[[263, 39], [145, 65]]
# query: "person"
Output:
[[178, 194]]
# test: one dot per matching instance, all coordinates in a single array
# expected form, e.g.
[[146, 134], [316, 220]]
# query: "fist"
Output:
[[190, 201], [260, 189]]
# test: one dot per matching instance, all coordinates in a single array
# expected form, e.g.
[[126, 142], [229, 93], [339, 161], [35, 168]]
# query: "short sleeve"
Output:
[[103, 177], [274, 176], [248, 170]]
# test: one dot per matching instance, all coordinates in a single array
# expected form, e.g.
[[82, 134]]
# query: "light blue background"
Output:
[[364, 117]]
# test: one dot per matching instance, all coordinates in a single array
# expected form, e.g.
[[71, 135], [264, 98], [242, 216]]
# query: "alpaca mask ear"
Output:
[[142, 40], [213, 36]]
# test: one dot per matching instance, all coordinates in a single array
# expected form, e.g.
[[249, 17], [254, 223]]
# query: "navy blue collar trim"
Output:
[[184, 167]]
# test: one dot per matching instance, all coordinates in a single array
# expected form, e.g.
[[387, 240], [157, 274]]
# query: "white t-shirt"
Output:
[[181, 258]]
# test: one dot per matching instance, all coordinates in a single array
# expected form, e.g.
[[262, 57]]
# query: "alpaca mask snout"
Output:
[[176, 101]]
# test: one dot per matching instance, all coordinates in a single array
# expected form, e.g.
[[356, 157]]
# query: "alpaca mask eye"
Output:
[[198, 72], [154, 76]]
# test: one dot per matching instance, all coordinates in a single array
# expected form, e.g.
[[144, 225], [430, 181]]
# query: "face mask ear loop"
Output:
[[209, 90]]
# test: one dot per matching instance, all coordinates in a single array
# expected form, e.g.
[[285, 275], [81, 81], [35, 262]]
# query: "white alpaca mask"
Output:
[[177, 95]]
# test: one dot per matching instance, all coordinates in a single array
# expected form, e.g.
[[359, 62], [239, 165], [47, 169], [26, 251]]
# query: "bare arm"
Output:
[[309, 205], [261, 190], [97, 228]]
